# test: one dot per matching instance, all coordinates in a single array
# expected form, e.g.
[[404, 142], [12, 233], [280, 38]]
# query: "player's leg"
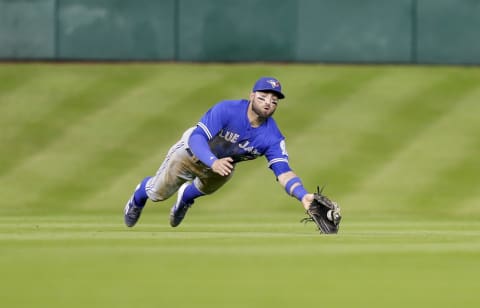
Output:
[[187, 193], [135, 204], [169, 177], [209, 182], [205, 183]]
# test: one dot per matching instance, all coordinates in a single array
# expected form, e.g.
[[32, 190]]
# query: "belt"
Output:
[[190, 152], [195, 158]]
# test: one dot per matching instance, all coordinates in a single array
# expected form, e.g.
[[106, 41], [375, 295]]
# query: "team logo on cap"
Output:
[[274, 83]]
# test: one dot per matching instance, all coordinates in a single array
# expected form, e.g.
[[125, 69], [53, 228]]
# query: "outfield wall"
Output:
[[366, 31]]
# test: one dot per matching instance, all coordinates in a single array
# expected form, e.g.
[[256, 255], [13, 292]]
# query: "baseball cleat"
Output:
[[132, 209], [179, 210], [132, 213]]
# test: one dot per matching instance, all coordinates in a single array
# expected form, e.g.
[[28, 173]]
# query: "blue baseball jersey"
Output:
[[230, 134]]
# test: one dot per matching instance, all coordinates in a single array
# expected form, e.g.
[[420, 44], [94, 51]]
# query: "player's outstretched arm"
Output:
[[294, 187]]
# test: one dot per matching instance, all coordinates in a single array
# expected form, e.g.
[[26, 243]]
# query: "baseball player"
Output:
[[205, 157]]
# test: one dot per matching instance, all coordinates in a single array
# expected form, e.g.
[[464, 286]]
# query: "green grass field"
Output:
[[396, 146]]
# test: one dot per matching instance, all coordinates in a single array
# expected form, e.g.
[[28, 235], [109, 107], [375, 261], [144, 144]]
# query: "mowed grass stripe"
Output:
[[34, 97], [221, 219], [24, 111], [359, 113], [82, 142], [456, 151], [88, 223], [49, 165], [89, 95], [212, 223], [226, 247], [269, 238], [373, 133], [14, 76], [287, 232], [440, 144], [311, 98], [367, 131]]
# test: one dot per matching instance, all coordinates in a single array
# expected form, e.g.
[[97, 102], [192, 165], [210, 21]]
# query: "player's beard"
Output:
[[261, 112]]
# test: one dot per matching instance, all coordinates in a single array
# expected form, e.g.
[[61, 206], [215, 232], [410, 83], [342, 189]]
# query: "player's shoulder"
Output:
[[273, 129], [231, 106], [232, 103]]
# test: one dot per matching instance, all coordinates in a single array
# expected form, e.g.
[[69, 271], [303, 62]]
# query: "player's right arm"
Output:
[[223, 166], [208, 126], [198, 144]]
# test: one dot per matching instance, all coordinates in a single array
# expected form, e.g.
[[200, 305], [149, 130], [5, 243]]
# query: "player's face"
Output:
[[264, 104]]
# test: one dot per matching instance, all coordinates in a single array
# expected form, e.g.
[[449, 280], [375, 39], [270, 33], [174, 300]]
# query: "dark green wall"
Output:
[[449, 31], [118, 29], [354, 31], [27, 29], [230, 30], [368, 31]]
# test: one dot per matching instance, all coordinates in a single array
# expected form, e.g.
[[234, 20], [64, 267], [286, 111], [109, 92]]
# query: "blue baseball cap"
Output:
[[269, 84]]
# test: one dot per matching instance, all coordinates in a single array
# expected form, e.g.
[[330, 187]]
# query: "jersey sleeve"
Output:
[[198, 144], [277, 157], [213, 120]]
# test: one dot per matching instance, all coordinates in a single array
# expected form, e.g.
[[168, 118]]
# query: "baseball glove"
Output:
[[324, 212]]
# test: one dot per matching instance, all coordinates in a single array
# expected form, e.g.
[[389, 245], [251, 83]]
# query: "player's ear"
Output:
[[252, 96]]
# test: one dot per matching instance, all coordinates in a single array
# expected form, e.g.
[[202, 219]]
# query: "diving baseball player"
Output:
[[205, 157]]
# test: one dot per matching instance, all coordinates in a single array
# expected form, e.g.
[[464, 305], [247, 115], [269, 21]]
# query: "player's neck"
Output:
[[254, 119], [257, 122]]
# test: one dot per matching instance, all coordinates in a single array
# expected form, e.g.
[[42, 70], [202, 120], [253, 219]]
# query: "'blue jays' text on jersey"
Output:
[[230, 134]]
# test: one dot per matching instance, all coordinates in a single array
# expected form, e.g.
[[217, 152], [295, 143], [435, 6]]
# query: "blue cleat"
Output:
[[179, 210]]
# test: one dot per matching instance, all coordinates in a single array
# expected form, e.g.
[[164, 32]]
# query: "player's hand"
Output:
[[307, 200], [223, 166]]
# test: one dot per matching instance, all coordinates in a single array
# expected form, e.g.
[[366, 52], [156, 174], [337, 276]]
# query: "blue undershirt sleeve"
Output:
[[280, 167], [198, 144]]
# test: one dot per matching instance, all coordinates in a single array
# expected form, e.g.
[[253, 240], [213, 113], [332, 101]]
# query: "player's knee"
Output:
[[155, 196]]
